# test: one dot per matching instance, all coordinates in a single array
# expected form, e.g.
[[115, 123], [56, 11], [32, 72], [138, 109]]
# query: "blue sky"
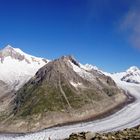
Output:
[[105, 33]]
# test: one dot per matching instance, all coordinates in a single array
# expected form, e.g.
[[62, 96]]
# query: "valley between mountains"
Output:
[[37, 93]]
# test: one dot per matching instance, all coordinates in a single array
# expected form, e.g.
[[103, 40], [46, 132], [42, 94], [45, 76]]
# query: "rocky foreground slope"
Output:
[[61, 92], [126, 134]]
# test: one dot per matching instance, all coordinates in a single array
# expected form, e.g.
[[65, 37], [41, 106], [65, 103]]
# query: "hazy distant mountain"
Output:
[[63, 91]]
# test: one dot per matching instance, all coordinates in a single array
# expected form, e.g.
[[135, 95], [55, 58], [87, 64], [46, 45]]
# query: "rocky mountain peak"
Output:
[[62, 87], [71, 59], [17, 54], [9, 51], [17, 67], [8, 47]]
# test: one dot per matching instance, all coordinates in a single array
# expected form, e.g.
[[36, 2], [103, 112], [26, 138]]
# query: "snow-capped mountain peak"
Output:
[[9, 51], [17, 67], [133, 69], [8, 47], [131, 75], [17, 54]]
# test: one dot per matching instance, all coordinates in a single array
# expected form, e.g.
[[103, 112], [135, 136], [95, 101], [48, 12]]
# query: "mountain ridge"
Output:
[[131, 75], [18, 67], [60, 91]]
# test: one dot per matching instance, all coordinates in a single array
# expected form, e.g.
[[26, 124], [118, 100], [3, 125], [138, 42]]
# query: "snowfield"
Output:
[[17, 72], [127, 117]]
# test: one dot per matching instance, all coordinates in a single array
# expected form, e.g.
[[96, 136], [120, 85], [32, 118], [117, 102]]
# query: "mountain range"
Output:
[[37, 93]]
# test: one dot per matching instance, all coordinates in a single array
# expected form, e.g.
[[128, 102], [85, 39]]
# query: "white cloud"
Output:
[[130, 24]]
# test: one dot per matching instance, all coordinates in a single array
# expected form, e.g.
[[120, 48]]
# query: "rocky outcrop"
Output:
[[127, 134]]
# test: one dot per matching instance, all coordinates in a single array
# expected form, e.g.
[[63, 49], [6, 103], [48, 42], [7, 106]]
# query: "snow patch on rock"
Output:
[[88, 67], [75, 84], [83, 73]]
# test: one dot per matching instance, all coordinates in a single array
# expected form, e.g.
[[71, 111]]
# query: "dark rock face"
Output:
[[72, 60], [127, 134]]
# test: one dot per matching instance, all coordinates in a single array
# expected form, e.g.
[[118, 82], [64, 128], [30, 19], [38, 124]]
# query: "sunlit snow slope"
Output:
[[17, 67]]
